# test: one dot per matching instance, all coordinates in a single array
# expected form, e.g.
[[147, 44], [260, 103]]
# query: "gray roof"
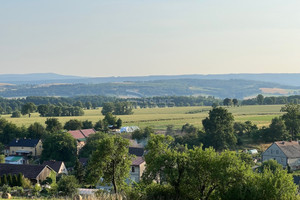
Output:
[[290, 149]]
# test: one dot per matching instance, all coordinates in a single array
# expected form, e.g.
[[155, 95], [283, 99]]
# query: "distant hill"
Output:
[[47, 78], [234, 88]]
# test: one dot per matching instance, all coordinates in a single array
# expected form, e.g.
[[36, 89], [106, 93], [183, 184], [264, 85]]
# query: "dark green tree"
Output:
[[260, 99], [28, 108], [36, 131], [107, 108], [119, 123], [218, 127], [73, 124], [87, 124], [59, 146], [53, 125], [291, 118], [16, 114], [227, 102], [67, 186], [79, 171], [235, 102]]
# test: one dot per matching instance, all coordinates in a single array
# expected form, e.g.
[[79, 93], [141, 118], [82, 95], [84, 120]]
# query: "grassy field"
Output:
[[159, 118]]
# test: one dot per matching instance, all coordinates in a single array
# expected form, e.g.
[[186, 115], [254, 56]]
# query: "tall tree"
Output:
[[36, 131], [260, 99], [53, 125], [73, 124], [227, 102], [218, 127], [28, 108], [59, 146], [110, 161], [292, 118]]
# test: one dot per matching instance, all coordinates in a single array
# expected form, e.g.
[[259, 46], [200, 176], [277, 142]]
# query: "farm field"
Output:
[[159, 118]]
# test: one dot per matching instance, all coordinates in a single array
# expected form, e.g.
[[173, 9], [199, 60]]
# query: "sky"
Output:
[[102, 38]]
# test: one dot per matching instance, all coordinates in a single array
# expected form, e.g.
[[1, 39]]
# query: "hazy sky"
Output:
[[149, 37]]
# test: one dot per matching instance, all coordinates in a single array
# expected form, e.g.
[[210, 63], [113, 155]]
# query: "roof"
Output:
[[24, 143], [137, 151], [13, 158], [137, 161], [83, 133], [29, 171], [88, 132], [55, 165], [77, 134], [290, 149]]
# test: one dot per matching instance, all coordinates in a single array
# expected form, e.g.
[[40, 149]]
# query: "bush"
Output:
[[67, 186], [16, 114]]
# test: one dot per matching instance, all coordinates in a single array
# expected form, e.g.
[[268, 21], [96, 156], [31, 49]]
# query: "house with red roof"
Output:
[[81, 135]]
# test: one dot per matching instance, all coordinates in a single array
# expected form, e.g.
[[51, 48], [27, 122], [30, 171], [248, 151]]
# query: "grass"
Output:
[[159, 118]]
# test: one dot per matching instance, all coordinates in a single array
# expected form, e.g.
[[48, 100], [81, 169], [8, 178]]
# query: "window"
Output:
[[132, 169]]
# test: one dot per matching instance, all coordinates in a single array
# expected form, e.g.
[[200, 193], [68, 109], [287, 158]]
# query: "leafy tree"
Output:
[[73, 124], [4, 179], [28, 108], [36, 131], [43, 110], [87, 124], [59, 146], [141, 134], [218, 127], [235, 102], [260, 99], [110, 119], [119, 123], [110, 161], [79, 171], [10, 180], [53, 125], [213, 173], [227, 102], [67, 185], [107, 108], [271, 165], [16, 114], [88, 105], [292, 118], [276, 131], [91, 144], [100, 126], [78, 104], [157, 147], [188, 128]]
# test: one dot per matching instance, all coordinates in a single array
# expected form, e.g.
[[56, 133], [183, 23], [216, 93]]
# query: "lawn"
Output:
[[159, 118]]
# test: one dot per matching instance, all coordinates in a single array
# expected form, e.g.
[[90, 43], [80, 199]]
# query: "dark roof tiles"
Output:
[[55, 165], [24, 143], [29, 171]]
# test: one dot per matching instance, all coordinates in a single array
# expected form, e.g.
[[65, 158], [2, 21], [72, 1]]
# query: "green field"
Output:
[[159, 118]]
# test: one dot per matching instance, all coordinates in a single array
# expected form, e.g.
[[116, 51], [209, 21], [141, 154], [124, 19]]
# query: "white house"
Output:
[[18, 160], [285, 153]]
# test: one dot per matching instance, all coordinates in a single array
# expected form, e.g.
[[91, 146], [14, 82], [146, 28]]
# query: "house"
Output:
[[17, 160], [285, 153], [35, 173], [58, 166], [81, 135], [26, 147], [137, 169]]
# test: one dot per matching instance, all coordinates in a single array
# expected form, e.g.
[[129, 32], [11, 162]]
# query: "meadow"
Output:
[[159, 118]]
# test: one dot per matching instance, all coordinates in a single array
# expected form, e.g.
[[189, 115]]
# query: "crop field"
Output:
[[159, 118]]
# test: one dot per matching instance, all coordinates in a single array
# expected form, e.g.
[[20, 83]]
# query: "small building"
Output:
[[35, 173], [285, 153], [26, 147], [58, 166], [17, 160], [253, 151], [137, 169]]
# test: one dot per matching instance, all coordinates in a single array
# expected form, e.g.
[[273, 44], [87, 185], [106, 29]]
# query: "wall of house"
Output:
[[44, 174], [136, 175], [275, 153], [294, 163], [39, 148], [63, 169]]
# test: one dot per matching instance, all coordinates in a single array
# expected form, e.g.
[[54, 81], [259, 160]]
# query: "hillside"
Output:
[[179, 87]]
